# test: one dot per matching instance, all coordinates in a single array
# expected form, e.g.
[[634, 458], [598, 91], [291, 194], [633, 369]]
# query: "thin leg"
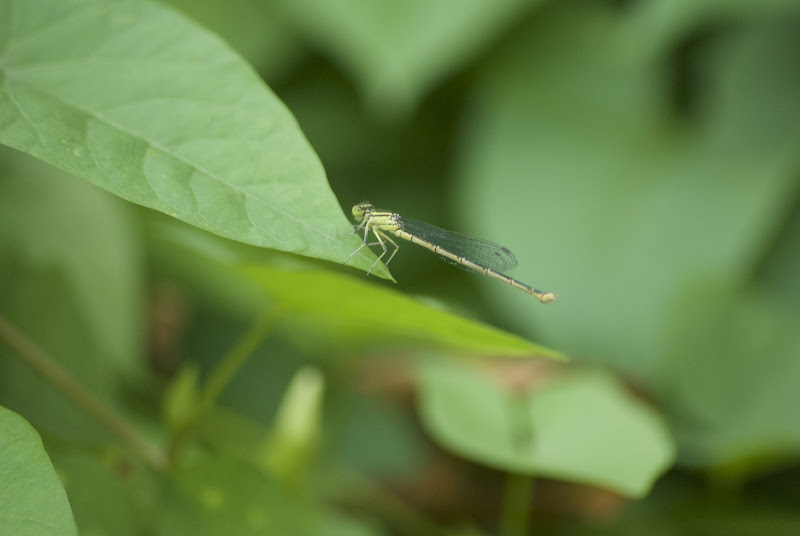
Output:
[[364, 243], [396, 247], [392, 242], [379, 235], [357, 227], [360, 225]]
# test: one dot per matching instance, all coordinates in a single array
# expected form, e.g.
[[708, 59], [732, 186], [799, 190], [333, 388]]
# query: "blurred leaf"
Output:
[[49, 220], [181, 396], [228, 497], [70, 279], [398, 49], [733, 383], [375, 437], [32, 499], [659, 24], [232, 434], [581, 426], [573, 150], [778, 272], [138, 100], [253, 27], [200, 262], [333, 307], [348, 309], [295, 435]]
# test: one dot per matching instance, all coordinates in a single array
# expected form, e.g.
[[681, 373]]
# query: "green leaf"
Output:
[[331, 307], [778, 272], [228, 497], [734, 394], [71, 279], [295, 435], [398, 50], [660, 24], [181, 396], [32, 499], [51, 221], [375, 436], [138, 100], [580, 426], [350, 309], [575, 151]]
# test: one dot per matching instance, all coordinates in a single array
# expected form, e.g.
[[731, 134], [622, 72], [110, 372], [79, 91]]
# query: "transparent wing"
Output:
[[479, 251]]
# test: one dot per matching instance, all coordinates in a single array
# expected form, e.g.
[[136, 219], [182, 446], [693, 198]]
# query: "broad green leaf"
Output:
[[222, 496], [349, 309], [573, 150], [398, 49], [580, 426], [138, 100], [333, 307], [32, 499], [71, 280], [733, 393]]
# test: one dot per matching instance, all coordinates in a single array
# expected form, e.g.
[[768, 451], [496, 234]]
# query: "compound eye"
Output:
[[361, 209]]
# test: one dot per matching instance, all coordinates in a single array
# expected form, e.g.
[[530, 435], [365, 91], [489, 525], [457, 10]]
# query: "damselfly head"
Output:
[[362, 209]]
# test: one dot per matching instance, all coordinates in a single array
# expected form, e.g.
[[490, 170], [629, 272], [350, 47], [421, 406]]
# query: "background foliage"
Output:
[[204, 364]]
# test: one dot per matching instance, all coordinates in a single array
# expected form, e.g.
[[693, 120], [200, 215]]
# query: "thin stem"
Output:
[[61, 379], [515, 517], [236, 357], [224, 372]]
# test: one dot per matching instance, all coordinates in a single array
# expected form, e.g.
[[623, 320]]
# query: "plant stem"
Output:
[[231, 362], [61, 379], [224, 372], [515, 517]]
